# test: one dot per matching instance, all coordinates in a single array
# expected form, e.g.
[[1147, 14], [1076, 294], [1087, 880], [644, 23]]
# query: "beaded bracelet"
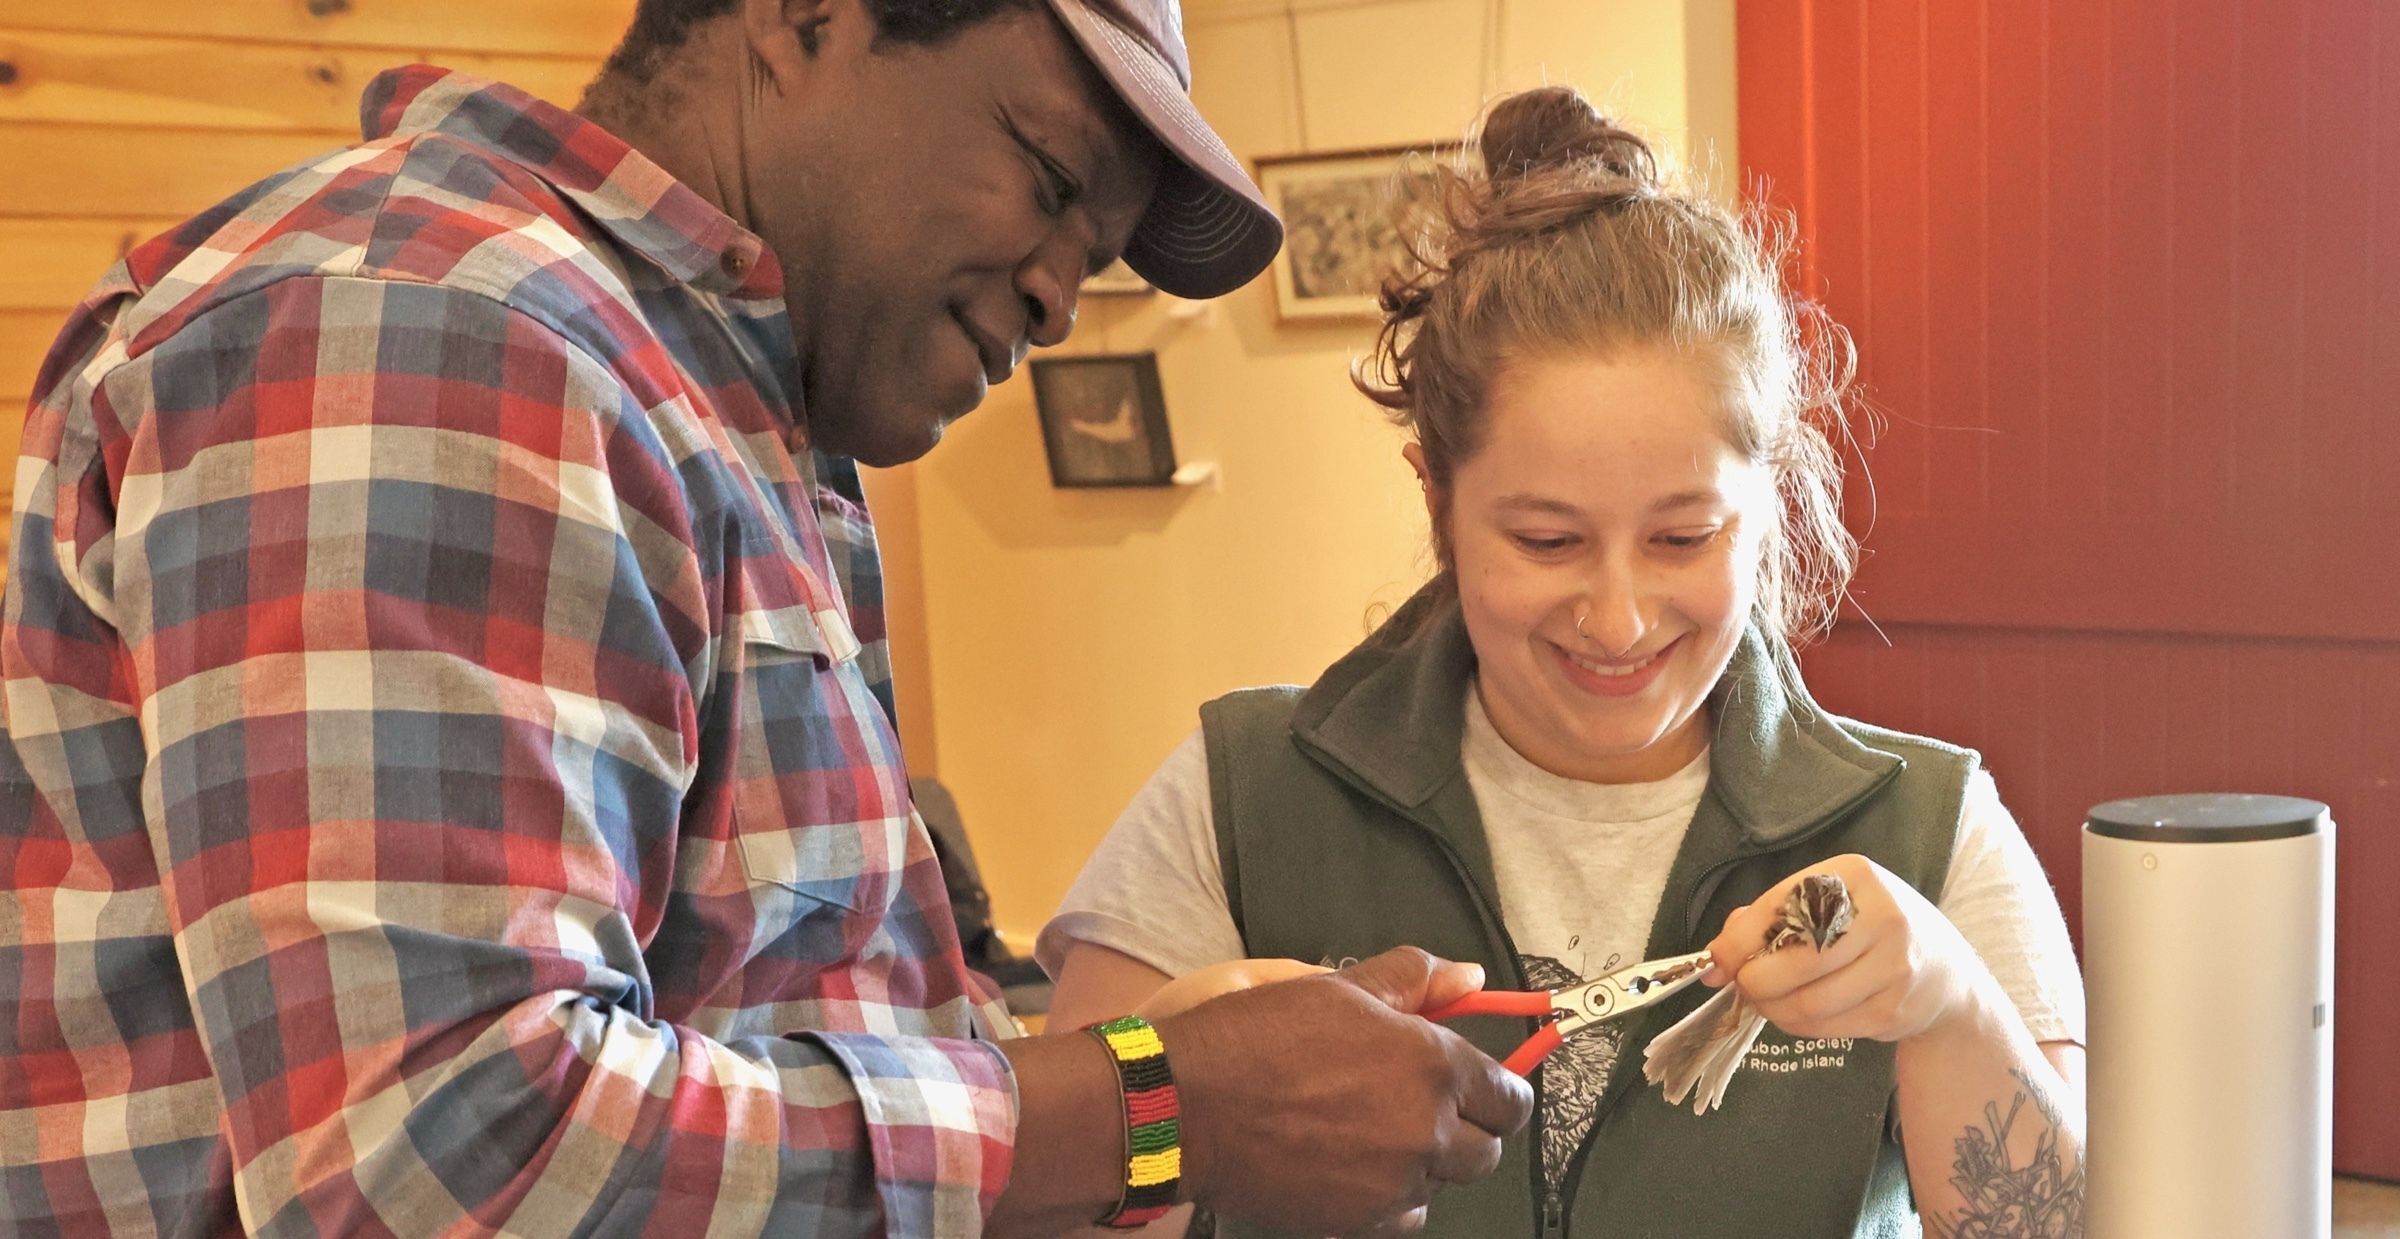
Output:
[[1153, 1134]]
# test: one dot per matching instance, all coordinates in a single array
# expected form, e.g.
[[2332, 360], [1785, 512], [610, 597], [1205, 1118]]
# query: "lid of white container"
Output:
[[2210, 817]]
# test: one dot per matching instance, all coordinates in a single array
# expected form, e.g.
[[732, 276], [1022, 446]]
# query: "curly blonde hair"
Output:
[[1568, 240]]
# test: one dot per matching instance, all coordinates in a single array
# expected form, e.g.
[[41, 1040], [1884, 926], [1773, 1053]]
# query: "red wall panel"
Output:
[[2125, 281]]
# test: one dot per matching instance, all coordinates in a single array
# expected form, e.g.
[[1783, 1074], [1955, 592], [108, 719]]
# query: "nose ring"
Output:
[[1581, 616]]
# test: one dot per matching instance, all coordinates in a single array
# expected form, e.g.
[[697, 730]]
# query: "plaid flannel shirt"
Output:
[[446, 786]]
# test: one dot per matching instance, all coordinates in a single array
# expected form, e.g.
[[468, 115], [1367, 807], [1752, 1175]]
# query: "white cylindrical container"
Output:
[[2208, 962]]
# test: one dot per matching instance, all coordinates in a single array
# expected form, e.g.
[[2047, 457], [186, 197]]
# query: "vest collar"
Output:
[[1390, 715]]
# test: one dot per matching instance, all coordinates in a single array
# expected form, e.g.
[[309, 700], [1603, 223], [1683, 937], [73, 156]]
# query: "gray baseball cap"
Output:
[[1209, 230]]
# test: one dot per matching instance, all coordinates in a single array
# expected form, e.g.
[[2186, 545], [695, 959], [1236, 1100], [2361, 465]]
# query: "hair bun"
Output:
[[1555, 126]]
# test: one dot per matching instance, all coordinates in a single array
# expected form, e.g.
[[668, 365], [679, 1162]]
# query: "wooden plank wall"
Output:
[[2124, 276], [120, 117]]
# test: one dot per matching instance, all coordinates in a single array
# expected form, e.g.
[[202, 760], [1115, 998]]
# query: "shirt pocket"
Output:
[[811, 813]]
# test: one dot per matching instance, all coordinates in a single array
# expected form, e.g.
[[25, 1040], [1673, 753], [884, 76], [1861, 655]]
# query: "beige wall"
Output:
[[1070, 634]]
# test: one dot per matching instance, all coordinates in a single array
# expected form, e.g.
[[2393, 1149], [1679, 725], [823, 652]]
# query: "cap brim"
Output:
[[1209, 230]]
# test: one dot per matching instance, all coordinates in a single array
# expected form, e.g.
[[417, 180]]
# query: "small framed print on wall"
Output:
[[1104, 420]]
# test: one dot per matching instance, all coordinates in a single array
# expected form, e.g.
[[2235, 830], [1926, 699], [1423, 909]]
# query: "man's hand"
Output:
[[1324, 1104]]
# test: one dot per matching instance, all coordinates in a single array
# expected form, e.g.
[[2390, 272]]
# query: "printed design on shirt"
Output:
[[1572, 1079]]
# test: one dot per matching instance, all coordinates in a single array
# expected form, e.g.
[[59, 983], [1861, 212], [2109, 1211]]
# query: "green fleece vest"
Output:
[[1346, 826]]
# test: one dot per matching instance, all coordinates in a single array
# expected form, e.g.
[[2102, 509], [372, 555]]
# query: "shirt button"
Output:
[[735, 263]]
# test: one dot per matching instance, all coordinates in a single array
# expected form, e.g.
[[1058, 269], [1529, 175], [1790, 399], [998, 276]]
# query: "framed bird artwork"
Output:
[[1104, 420]]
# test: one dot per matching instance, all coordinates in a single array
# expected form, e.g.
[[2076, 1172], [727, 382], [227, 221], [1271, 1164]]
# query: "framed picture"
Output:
[[1104, 420], [1344, 213], [1117, 280]]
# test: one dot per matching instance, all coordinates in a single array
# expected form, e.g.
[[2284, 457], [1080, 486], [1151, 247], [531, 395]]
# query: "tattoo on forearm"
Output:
[[2042, 1199]]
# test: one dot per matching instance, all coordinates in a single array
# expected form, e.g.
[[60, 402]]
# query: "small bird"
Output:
[[1707, 1046]]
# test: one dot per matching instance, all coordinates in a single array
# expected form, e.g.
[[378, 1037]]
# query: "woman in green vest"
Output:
[[1587, 743]]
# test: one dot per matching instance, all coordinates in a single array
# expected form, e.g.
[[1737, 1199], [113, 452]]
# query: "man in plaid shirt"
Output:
[[449, 784]]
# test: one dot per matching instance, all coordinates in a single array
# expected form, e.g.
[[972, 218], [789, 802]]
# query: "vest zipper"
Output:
[[1553, 1208], [1554, 1223]]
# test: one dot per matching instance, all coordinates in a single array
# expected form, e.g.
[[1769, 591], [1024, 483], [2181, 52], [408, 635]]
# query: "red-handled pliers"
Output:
[[1579, 1008]]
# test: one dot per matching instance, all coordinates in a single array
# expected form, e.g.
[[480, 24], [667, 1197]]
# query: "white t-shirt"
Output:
[[1581, 868]]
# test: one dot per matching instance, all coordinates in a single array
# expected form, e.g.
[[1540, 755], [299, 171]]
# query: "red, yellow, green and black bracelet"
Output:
[[1153, 1132]]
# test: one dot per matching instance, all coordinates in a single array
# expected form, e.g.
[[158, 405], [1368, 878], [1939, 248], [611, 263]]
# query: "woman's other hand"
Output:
[[1233, 976], [1900, 971]]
